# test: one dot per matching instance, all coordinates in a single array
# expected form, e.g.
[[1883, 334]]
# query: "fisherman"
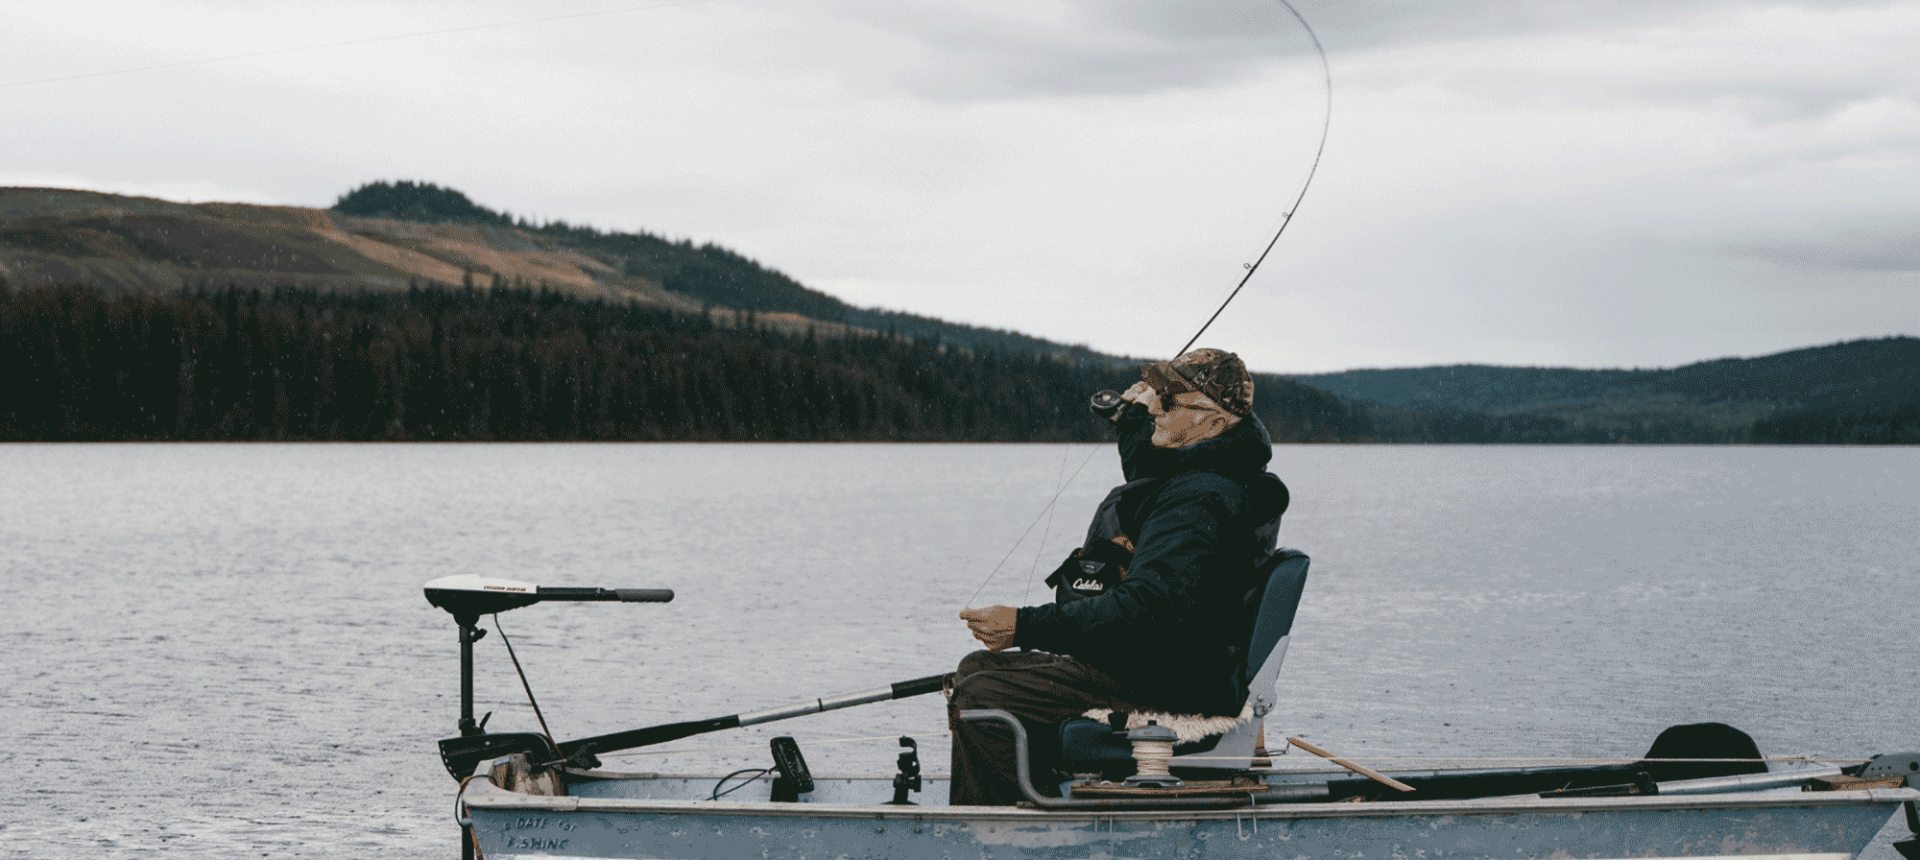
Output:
[[1154, 610]]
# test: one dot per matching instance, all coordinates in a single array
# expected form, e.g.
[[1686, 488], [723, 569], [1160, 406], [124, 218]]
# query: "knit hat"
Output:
[[1218, 374]]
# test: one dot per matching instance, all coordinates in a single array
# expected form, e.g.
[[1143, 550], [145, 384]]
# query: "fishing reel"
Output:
[[1107, 404]]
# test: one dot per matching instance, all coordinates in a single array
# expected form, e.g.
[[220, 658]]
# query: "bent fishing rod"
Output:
[[1326, 124]]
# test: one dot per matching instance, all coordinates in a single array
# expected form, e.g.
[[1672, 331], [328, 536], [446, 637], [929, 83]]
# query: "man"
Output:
[[1198, 512]]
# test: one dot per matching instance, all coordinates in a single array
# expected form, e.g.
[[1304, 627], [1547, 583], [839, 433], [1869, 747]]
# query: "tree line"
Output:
[[510, 364], [502, 364], [516, 364]]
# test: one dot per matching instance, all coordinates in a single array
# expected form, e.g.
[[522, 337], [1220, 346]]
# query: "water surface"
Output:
[[221, 651]]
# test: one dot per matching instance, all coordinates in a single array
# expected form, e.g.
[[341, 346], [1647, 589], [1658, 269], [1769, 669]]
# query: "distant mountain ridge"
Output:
[[423, 240], [1723, 400], [707, 273]]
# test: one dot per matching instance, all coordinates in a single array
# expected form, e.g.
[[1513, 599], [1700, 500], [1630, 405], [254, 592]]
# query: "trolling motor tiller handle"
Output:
[[467, 597]]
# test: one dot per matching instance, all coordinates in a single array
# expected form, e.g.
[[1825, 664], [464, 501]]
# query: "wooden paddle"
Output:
[[1356, 767]]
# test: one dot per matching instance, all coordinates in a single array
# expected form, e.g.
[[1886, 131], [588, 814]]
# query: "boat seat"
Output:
[[1207, 746]]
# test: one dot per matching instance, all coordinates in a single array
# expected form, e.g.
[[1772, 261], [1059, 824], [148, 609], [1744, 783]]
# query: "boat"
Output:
[[1702, 790]]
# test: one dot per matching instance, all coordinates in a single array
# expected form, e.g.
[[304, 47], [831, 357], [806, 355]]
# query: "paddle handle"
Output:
[[1356, 767]]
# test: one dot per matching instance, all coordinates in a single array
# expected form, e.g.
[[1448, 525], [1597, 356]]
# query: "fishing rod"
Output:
[[1326, 124], [462, 754], [674, 731]]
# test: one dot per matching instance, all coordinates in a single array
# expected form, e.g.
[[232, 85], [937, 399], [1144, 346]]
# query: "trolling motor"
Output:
[[468, 597]]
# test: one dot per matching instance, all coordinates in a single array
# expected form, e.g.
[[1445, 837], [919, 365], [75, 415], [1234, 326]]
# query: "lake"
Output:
[[222, 651]]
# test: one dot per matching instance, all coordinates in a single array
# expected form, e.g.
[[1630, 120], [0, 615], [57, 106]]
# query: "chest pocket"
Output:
[[1102, 561], [1089, 572]]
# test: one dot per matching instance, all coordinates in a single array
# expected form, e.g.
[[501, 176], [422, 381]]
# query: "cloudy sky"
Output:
[[1630, 183]]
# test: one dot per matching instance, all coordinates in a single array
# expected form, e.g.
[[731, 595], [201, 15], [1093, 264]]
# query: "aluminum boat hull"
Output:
[[654, 817]]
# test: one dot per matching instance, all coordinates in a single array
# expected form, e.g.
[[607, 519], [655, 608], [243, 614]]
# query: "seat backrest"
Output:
[[1286, 572], [1273, 625]]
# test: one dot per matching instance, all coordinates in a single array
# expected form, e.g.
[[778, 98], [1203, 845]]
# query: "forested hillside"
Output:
[[1863, 391], [408, 311], [439, 364]]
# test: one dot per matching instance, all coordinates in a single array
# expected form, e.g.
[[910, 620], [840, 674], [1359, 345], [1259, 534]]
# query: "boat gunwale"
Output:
[[482, 794]]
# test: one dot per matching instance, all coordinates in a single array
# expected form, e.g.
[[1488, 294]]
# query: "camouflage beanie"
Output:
[[1218, 374]]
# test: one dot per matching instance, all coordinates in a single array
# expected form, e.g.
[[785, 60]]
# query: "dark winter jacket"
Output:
[[1200, 518]]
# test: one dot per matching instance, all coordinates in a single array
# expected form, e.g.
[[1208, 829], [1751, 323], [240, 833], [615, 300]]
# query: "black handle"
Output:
[[645, 595], [624, 595], [920, 686]]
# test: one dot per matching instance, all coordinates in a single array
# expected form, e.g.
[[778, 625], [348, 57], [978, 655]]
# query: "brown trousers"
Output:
[[1040, 689]]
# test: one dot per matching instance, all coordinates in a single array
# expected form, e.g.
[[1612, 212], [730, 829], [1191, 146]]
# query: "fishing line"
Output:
[[368, 40], [1048, 530], [1326, 125], [1036, 521]]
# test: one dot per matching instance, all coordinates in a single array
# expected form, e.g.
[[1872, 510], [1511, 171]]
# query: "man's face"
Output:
[[1193, 418]]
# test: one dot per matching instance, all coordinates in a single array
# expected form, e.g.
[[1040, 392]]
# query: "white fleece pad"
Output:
[[1188, 727]]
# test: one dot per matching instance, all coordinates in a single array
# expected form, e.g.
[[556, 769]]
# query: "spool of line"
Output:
[[1152, 757]]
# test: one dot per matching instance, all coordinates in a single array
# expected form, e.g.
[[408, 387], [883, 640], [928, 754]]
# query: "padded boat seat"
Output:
[[1208, 744]]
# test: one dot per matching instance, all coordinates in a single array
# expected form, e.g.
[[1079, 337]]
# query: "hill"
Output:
[[1844, 388], [392, 254], [392, 236], [173, 264]]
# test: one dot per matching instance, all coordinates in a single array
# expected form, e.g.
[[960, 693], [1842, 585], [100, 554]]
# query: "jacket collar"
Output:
[[1244, 449]]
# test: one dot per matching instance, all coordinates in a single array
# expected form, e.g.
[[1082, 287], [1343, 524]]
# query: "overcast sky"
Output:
[[1592, 184]]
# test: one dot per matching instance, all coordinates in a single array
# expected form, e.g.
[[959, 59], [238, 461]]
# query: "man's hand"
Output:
[[993, 626], [1141, 393]]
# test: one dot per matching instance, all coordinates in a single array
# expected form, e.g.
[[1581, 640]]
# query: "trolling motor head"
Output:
[[469, 596]]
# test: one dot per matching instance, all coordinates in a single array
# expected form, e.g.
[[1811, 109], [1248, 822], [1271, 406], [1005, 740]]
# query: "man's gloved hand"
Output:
[[993, 625], [1140, 393]]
